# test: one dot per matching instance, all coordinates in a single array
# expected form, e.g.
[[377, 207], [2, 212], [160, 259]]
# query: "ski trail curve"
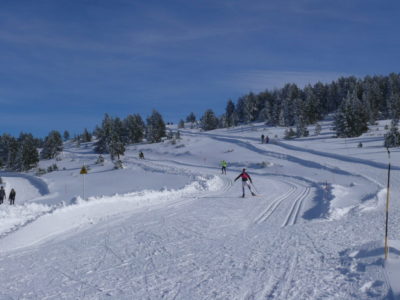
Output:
[[296, 207]]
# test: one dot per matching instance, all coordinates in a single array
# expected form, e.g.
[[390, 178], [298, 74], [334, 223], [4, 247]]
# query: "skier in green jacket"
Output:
[[223, 166]]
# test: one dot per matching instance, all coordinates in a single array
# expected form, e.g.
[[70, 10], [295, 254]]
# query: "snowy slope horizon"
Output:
[[172, 226]]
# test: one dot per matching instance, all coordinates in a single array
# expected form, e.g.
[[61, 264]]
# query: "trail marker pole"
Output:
[[387, 208], [83, 172]]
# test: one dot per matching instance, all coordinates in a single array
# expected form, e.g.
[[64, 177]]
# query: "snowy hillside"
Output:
[[171, 226]]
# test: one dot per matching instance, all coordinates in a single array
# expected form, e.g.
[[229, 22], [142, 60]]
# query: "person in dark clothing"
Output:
[[267, 139], [246, 180], [141, 155], [11, 197], [2, 195], [262, 139]]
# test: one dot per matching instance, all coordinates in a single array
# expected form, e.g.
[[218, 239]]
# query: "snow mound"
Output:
[[84, 213], [13, 217]]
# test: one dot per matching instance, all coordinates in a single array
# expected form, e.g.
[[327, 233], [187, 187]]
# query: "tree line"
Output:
[[22, 153], [354, 103]]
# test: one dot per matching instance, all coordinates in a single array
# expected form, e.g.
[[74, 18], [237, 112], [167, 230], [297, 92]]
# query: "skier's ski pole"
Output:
[[387, 208], [255, 188]]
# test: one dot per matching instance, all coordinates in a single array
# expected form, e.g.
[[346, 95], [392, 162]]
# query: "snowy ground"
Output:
[[172, 227]]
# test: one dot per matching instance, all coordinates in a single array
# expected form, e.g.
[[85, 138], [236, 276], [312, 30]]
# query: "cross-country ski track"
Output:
[[297, 239]]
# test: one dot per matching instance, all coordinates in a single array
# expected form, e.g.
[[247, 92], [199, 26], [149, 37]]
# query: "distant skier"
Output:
[[2, 195], [11, 197], [262, 139], [223, 166], [245, 181], [267, 139], [141, 155]]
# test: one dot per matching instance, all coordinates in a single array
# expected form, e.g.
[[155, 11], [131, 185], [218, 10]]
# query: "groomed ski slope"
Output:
[[172, 227]]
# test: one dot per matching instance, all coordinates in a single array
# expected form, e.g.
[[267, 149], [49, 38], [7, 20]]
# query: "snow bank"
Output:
[[392, 268], [13, 217], [95, 209], [348, 198]]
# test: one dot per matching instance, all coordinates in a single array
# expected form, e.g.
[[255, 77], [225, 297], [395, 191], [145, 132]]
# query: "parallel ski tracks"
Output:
[[274, 205], [294, 210], [291, 218]]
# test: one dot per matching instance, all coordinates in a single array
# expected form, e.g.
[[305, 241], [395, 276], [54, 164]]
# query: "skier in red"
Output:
[[245, 181]]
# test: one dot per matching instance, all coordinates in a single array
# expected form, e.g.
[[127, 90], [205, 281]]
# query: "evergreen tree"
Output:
[[312, 106], [120, 130], [135, 128], [181, 124], [28, 155], [392, 138], [116, 146], [66, 135], [52, 145], [230, 114], [301, 124], [191, 118], [86, 136], [111, 137], [5, 141], [351, 119], [104, 134], [156, 128], [8, 151], [209, 121], [247, 108]]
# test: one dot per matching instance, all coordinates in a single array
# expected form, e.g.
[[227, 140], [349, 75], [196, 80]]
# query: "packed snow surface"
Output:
[[171, 226]]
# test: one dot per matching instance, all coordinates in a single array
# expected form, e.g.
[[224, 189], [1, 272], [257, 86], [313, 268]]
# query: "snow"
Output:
[[172, 227]]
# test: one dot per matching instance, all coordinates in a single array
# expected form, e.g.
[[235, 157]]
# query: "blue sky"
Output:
[[64, 63]]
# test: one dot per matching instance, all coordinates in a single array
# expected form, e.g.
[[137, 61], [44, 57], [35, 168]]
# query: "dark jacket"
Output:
[[12, 195], [245, 176], [2, 194]]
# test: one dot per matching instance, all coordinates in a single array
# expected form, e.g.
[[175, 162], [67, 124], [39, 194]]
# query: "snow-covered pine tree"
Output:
[[300, 122], [230, 114], [247, 108], [120, 130], [156, 128], [4, 148], [351, 119], [392, 138], [135, 128], [28, 155], [312, 106], [111, 137], [116, 146], [104, 134], [53, 145], [8, 151], [209, 121]]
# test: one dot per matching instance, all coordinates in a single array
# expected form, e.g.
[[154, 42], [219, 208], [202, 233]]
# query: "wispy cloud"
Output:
[[260, 80]]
